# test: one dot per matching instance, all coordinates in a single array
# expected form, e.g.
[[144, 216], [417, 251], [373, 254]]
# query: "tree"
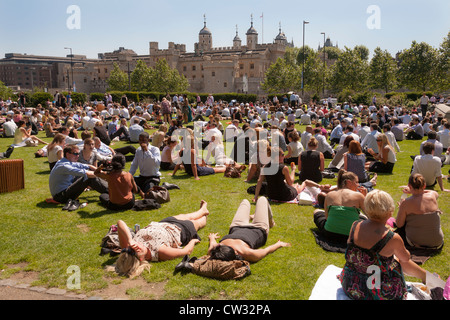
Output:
[[316, 73], [165, 79], [349, 72], [363, 52], [418, 67], [140, 77], [444, 65], [382, 70], [118, 80], [281, 77], [5, 92]]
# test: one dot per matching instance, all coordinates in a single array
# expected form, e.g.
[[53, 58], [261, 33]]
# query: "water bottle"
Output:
[[136, 228]]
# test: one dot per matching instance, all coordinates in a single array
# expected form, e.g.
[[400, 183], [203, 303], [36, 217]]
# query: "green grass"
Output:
[[50, 240]]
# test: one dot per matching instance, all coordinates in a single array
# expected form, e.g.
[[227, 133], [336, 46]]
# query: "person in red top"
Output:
[[122, 186]]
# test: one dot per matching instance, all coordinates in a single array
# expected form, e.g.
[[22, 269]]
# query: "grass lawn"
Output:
[[48, 240]]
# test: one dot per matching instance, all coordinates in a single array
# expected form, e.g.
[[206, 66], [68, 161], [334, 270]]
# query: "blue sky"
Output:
[[39, 26]]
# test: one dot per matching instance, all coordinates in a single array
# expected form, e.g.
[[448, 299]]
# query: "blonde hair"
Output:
[[378, 205], [129, 265]]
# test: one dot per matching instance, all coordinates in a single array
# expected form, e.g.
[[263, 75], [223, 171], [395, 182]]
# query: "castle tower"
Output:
[[281, 37], [204, 38], [237, 41], [252, 37]]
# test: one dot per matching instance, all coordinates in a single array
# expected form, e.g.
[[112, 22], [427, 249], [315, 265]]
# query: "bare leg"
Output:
[[125, 236], [219, 169], [198, 217]]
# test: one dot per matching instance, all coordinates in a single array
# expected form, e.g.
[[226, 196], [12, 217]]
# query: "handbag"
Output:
[[159, 194]]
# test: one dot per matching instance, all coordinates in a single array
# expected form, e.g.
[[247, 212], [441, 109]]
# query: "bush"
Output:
[[96, 96], [39, 98]]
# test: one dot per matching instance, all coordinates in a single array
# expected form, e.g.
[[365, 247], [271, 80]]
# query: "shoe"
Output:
[[8, 152], [169, 186], [184, 266], [74, 206], [68, 204]]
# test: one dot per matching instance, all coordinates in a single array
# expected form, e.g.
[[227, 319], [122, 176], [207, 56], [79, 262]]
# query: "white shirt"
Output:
[[428, 166], [444, 138], [9, 128]]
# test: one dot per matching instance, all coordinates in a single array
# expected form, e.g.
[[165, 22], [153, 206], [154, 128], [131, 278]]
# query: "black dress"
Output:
[[277, 188], [310, 166]]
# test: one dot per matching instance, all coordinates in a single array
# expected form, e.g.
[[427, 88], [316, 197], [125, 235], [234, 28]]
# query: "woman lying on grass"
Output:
[[168, 239]]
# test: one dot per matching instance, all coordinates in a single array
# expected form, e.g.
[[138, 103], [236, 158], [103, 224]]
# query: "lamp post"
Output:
[[71, 67], [303, 67], [324, 64]]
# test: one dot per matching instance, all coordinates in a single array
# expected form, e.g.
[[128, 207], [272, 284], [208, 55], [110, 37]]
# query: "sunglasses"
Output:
[[75, 153]]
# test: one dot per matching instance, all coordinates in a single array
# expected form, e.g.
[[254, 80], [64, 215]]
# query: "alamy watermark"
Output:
[[73, 22], [373, 22], [74, 280]]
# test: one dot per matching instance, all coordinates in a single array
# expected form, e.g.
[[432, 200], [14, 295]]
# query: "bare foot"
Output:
[[203, 207], [374, 180]]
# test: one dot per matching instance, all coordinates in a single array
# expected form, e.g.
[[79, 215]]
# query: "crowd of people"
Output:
[[360, 141]]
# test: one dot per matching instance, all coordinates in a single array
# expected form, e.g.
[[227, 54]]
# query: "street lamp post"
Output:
[[303, 67], [324, 64], [71, 67]]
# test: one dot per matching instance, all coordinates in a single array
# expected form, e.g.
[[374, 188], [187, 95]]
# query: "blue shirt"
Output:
[[64, 174], [134, 131], [148, 162]]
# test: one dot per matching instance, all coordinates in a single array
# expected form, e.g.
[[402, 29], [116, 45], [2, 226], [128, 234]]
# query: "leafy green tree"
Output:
[[363, 52], [444, 65], [165, 79], [282, 77], [5, 92], [333, 53], [382, 70], [140, 77], [349, 72], [316, 73], [118, 79], [418, 67]]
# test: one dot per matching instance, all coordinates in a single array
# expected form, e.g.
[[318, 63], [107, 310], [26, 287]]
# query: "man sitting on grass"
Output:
[[70, 178]]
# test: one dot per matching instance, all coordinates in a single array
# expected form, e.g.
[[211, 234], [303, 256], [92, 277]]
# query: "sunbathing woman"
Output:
[[373, 244], [280, 182], [418, 217], [341, 208], [168, 239], [246, 239]]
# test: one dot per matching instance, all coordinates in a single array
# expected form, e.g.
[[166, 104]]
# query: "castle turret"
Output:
[[204, 38], [252, 37]]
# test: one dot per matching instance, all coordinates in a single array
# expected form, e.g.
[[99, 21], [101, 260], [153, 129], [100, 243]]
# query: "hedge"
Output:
[[157, 96]]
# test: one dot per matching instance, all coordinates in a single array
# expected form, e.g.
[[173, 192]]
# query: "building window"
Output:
[[241, 66], [213, 74], [184, 68], [225, 84], [252, 66], [194, 68]]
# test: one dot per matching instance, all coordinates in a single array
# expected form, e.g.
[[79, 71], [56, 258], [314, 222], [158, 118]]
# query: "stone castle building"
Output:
[[239, 68]]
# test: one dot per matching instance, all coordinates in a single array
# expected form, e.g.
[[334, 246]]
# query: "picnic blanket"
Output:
[[328, 286]]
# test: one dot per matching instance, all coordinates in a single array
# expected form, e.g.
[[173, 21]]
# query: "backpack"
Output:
[[110, 242]]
